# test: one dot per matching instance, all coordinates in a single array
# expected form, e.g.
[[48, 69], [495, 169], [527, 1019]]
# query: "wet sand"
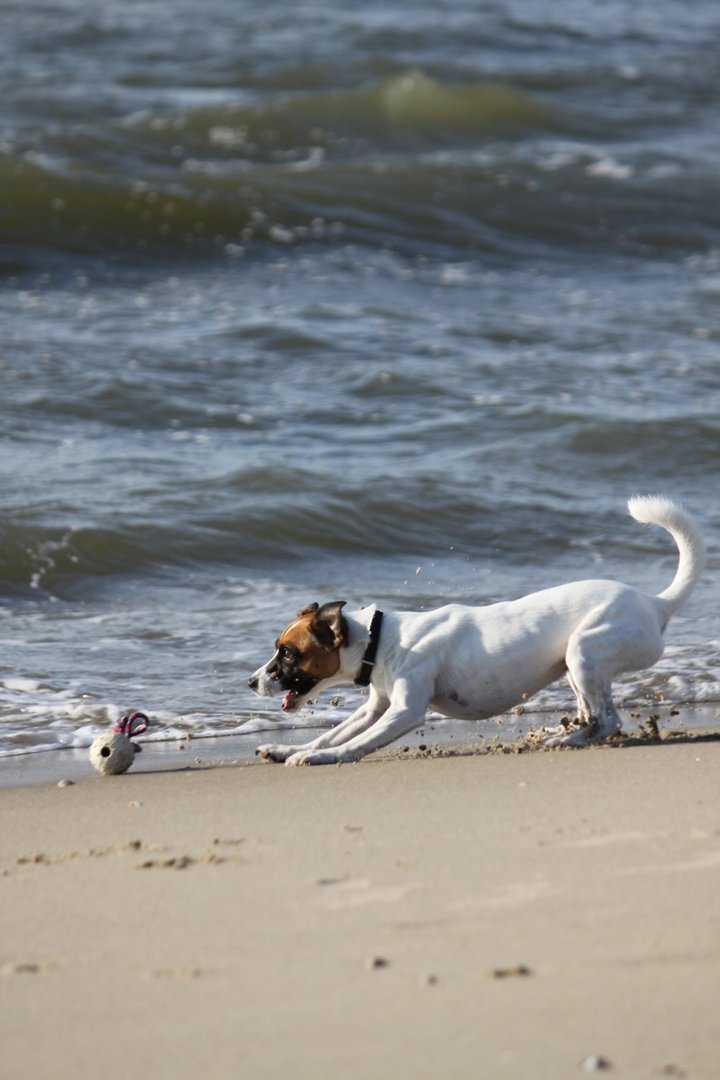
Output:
[[538, 914]]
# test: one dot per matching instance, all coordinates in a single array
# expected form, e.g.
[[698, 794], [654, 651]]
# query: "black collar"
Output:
[[368, 661]]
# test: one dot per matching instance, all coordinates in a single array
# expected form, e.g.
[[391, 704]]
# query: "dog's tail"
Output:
[[657, 510]]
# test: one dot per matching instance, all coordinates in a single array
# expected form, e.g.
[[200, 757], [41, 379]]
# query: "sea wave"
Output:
[[250, 526], [411, 103], [411, 161], [342, 523]]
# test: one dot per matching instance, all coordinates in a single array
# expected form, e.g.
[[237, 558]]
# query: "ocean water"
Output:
[[395, 304]]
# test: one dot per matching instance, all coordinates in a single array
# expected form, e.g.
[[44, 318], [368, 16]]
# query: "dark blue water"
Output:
[[392, 305]]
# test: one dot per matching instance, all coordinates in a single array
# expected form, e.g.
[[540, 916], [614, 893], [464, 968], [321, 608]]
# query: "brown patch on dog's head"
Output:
[[307, 651]]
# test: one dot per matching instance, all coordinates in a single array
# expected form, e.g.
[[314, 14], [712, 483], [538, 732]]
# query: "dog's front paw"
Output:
[[270, 752], [314, 757]]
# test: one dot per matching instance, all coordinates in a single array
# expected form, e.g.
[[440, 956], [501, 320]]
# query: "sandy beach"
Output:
[[521, 915]]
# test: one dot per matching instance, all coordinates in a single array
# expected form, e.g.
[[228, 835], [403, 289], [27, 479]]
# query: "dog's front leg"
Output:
[[357, 722], [408, 705]]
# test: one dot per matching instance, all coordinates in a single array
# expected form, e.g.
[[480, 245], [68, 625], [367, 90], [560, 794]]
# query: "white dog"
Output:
[[473, 663]]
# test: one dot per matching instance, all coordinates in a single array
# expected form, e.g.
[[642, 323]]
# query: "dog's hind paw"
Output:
[[575, 737], [581, 733]]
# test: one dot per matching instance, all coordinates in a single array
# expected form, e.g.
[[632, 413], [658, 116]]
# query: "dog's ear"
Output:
[[309, 610], [329, 625]]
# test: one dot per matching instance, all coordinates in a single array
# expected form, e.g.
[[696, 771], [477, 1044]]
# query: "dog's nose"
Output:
[[253, 682]]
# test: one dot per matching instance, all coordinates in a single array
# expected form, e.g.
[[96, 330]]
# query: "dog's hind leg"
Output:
[[602, 647], [590, 671]]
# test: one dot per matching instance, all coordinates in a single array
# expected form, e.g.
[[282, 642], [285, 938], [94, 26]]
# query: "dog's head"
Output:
[[307, 654]]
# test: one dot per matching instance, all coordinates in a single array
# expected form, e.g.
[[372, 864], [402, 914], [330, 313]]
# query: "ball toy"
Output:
[[114, 751]]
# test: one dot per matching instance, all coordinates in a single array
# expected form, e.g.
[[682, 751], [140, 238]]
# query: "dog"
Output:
[[473, 663]]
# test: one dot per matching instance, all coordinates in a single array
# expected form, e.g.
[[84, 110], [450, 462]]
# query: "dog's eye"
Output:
[[287, 653]]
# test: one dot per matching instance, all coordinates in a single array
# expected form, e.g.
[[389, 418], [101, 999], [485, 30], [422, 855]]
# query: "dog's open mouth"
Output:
[[290, 701]]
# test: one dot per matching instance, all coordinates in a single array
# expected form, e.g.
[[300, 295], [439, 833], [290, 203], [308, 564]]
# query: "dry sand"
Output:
[[529, 916]]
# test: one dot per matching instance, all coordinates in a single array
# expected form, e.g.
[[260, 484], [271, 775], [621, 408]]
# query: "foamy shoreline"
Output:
[[191, 752]]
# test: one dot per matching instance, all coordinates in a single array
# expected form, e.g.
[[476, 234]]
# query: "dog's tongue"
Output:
[[289, 700]]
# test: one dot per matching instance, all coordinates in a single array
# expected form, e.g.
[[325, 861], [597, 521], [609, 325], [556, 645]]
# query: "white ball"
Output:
[[112, 753]]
